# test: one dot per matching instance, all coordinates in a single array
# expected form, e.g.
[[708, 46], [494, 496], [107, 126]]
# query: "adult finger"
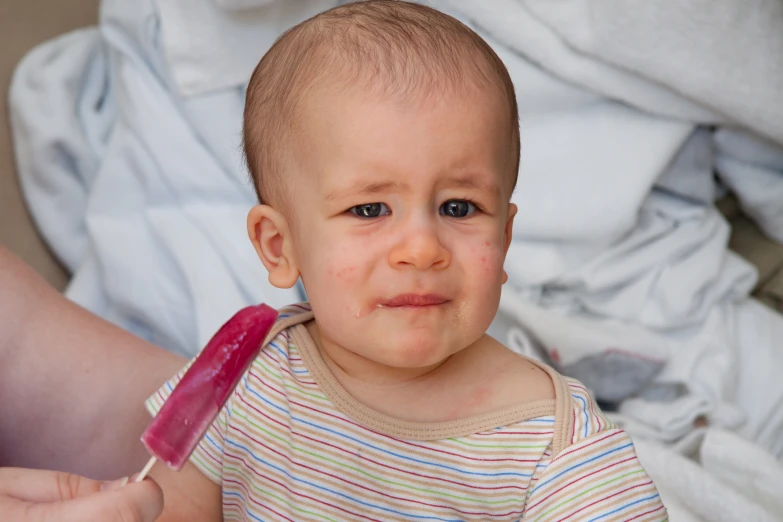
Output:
[[84, 502], [135, 502], [36, 485]]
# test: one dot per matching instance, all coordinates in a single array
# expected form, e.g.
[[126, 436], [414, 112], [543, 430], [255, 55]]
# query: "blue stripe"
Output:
[[381, 450], [275, 345], [542, 484], [218, 447], [584, 409], [336, 493], [244, 503], [624, 507]]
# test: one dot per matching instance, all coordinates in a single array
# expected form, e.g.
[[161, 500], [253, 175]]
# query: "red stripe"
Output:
[[239, 508], [163, 397], [348, 421], [589, 399], [612, 433], [605, 498], [490, 434], [285, 487], [206, 452], [276, 363], [646, 513], [578, 479], [377, 463], [340, 479], [250, 498], [577, 386], [573, 435], [594, 407]]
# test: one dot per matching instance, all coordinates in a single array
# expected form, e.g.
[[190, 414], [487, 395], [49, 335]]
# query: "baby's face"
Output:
[[402, 222]]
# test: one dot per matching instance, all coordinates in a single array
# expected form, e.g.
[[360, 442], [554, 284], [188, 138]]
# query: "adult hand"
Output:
[[28, 495]]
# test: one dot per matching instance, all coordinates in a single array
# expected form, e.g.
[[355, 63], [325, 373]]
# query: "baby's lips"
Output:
[[414, 300]]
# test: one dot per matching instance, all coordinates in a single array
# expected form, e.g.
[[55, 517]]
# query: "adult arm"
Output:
[[72, 385]]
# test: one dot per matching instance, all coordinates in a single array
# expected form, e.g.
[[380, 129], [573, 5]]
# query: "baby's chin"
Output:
[[413, 351]]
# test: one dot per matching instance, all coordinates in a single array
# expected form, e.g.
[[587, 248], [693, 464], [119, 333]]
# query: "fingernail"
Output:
[[114, 484]]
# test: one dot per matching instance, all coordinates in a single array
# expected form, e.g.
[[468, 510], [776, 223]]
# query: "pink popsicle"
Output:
[[195, 402]]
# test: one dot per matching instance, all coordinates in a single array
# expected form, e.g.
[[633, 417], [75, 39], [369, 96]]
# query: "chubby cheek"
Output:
[[337, 275], [483, 260], [482, 266], [344, 263]]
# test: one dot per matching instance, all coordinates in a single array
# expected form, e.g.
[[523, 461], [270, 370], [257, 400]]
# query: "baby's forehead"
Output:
[[385, 144], [390, 49]]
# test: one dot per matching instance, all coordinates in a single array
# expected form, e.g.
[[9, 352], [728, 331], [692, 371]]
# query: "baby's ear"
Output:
[[271, 237]]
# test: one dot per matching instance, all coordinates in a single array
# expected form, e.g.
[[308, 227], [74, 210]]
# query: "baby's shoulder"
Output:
[[519, 377], [577, 416], [517, 380], [506, 378], [584, 417]]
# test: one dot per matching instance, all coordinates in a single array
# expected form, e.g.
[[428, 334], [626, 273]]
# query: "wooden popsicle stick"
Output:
[[146, 469]]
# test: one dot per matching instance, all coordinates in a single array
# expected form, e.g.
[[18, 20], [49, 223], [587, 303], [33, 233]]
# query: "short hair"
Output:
[[394, 46]]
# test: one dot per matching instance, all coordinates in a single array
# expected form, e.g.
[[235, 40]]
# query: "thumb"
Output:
[[135, 502]]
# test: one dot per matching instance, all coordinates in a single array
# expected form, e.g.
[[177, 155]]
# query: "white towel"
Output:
[[752, 471], [691, 493], [209, 48]]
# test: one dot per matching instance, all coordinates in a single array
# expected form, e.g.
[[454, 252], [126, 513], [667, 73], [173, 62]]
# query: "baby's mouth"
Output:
[[413, 301]]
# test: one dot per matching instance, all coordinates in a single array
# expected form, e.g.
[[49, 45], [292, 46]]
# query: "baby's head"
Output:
[[383, 142]]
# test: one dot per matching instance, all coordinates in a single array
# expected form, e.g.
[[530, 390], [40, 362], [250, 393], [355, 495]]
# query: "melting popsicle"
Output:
[[197, 399]]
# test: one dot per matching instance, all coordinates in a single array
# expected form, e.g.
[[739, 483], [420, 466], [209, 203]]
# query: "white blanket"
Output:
[[142, 194], [735, 481], [127, 140]]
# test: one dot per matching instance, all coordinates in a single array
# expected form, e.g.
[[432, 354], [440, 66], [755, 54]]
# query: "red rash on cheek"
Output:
[[343, 272]]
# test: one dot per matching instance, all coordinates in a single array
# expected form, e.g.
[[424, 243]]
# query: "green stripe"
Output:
[[369, 475], [499, 446], [585, 492], [260, 362], [205, 468], [254, 486]]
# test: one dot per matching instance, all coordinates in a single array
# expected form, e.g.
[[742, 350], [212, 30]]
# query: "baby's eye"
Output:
[[370, 210], [457, 208]]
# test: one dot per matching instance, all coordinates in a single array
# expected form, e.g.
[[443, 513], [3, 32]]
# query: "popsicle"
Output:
[[197, 399]]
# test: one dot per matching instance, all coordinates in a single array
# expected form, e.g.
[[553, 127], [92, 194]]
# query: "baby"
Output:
[[383, 141]]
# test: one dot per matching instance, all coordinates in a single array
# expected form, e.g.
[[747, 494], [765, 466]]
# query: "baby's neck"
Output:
[[481, 378], [360, 371]]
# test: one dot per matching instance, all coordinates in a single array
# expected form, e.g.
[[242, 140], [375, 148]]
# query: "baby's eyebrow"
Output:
[[472, 182], [367, 189]]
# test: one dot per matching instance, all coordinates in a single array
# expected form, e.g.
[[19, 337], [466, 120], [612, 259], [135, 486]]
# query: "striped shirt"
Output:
[[292, 444]]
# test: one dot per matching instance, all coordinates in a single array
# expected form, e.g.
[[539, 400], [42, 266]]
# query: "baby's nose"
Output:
[[419, 248]]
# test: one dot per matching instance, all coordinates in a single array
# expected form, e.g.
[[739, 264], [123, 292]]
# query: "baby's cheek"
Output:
[[493, 264], [343, 266], [486, 259], [345, 273]]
